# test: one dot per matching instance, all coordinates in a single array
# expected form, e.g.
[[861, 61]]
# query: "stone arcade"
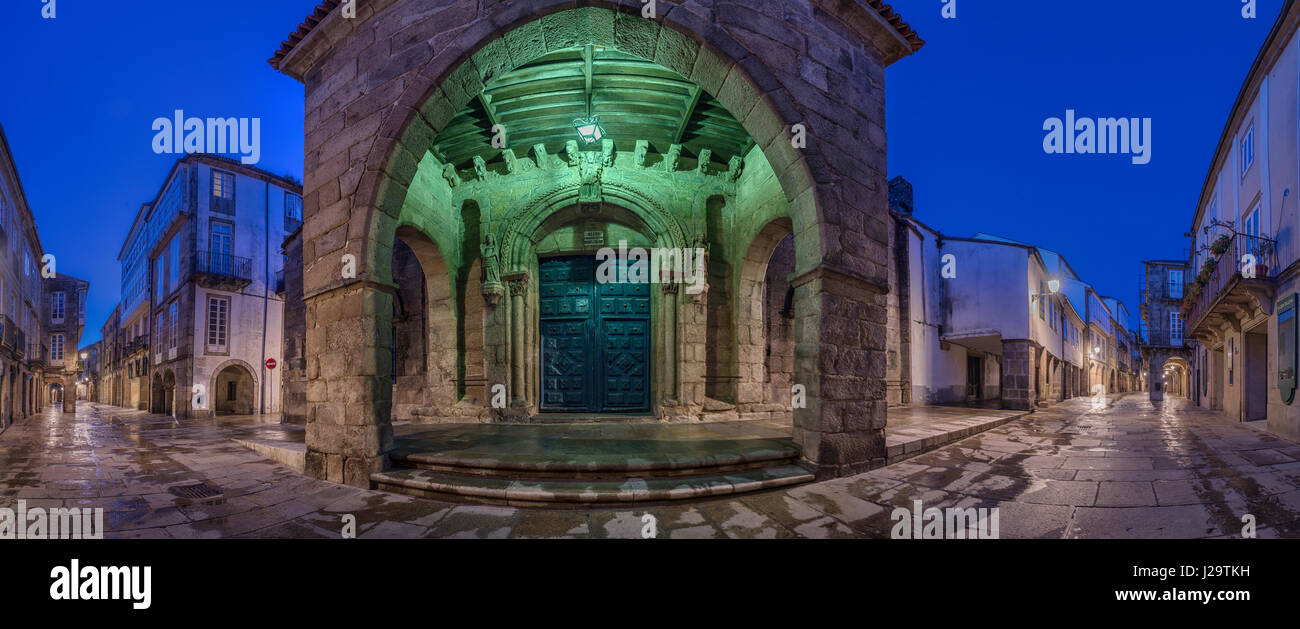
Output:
[[474, 264]]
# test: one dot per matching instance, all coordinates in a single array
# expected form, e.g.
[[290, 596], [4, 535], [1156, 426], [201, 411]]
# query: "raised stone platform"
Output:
[[914, 430], [585, 464]]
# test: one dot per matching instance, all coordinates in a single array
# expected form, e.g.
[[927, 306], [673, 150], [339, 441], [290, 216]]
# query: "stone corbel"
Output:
[[1263, 298], [607, 152], [571, 152], [449, 173], [671, 159], [642, 149], [539, 153], [706, 155], [480, 167], [512, 162], [736, 166]]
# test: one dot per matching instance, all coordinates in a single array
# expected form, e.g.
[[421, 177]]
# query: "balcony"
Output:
[[140, 343], [12, 338], [1229, 297], [37, 355], [220, 271]]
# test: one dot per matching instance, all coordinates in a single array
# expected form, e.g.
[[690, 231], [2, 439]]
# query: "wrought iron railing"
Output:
[[1231, 266], [139, 343], [223, 265]]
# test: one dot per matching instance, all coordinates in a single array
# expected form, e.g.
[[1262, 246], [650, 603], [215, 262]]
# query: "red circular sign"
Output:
[[270, 363]]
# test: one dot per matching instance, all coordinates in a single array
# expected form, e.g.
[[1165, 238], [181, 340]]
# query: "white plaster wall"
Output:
[[989, 293]]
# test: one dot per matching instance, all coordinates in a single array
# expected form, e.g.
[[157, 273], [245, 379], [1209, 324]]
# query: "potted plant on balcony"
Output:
[[1220, 245], [1264, 250]]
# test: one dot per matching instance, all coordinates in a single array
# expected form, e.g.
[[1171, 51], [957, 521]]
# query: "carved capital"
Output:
[[518, 285]]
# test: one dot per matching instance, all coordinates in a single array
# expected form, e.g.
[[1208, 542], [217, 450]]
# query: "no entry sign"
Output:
[[270, 363]]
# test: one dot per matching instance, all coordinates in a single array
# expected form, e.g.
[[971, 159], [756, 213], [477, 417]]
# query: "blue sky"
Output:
[[965, 121], [83, 89], [964, 116]]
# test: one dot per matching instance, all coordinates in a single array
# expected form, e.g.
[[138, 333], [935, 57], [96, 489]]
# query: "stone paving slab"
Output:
[[1133, 470]]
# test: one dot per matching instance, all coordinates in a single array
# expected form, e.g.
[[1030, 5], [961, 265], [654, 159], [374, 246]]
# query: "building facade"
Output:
[[201, 312], [986, 319], [23, 350], [64, 314], [1239, 305]]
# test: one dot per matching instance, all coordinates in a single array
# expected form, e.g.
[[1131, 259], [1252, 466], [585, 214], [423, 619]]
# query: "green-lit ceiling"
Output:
[[634, 98]]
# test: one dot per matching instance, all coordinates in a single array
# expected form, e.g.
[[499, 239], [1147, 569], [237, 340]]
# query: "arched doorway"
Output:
[[401, 167], [765, 324], [234, 390], [169, 393], [157, 402], [55, 397]]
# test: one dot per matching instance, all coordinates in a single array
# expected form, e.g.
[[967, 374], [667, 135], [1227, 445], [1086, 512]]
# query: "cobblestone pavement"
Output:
[[1132, 470]]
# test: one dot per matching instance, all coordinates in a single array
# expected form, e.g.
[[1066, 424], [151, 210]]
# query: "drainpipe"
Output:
[[266, 297]]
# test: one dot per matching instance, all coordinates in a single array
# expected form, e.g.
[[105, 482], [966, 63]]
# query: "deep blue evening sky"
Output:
[[965, 116]]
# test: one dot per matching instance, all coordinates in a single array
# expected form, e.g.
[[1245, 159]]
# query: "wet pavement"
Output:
[[1131, 470]]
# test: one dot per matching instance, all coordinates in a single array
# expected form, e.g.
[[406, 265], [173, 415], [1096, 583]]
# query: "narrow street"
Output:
[[1133, 470]]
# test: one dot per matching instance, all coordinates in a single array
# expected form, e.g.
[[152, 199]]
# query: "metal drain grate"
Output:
[[196, 492]]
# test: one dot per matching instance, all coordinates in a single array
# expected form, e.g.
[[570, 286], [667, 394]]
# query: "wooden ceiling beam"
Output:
[[686, 116]]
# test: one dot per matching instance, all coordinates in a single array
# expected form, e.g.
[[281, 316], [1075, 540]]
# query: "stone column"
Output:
[[669, 364], [349, 388], [70, 394], [1018, 375], [518, 289], [840, 360]]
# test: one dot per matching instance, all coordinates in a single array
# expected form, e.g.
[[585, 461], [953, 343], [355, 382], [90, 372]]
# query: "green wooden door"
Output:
[[595, 340]]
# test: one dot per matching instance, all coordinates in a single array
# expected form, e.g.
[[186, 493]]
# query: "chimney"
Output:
[[900, 196]]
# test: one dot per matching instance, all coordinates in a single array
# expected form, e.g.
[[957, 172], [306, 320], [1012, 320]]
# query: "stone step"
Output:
[[577, 492], [599, 466]]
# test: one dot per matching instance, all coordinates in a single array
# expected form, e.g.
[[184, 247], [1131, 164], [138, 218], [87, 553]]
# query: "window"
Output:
[[223, 192], [1042, 309], [1175, 329], [218, 318], [292, 212], [173, 330], [1175, 284], [1250, 229], [1248, 149], [56, 347], [58, 301], [160, 286], [161, 341], [175, 260]]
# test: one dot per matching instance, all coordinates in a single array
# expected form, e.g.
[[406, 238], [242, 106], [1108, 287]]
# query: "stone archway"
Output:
[[169, 393], [156, 404], [764, 330], [55, 397], [234, 388], [363, 153]]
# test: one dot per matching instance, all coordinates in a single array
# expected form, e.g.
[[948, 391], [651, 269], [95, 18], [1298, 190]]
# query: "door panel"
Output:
[[597, 358]]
